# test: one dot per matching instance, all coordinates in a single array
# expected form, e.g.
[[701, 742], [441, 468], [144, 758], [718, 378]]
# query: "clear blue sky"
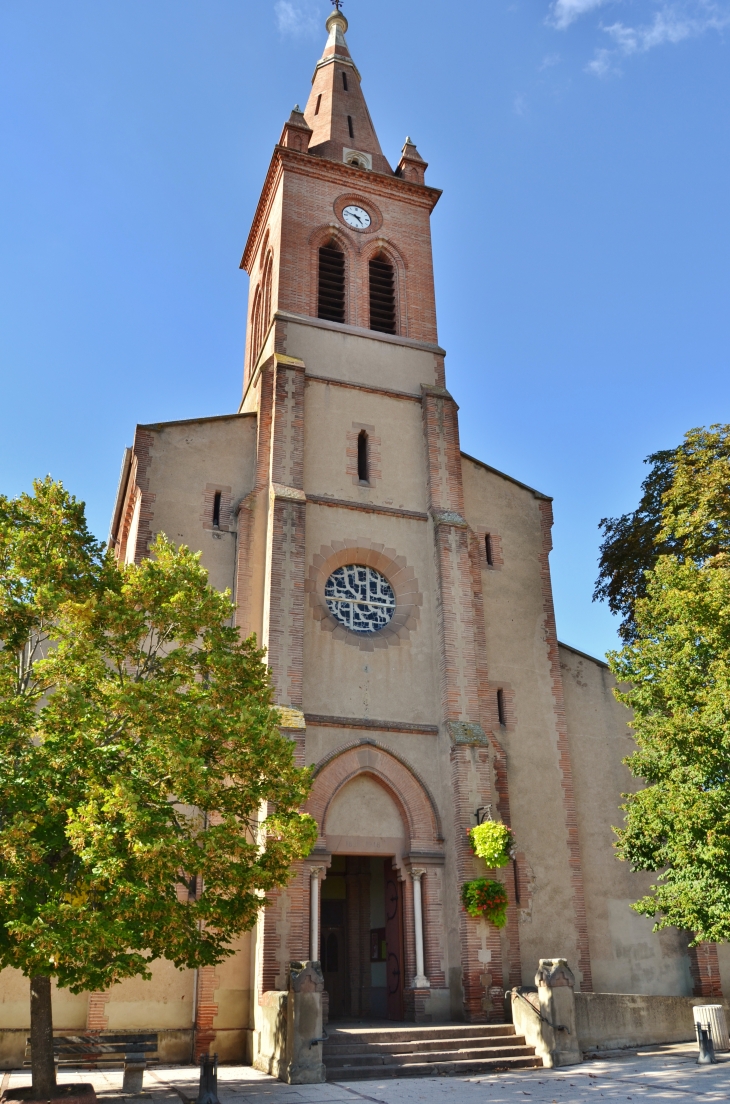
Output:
[[582, 243]]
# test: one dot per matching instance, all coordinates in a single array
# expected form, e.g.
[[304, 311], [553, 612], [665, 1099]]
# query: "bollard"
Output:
[[208, 1090], [707, 1050]]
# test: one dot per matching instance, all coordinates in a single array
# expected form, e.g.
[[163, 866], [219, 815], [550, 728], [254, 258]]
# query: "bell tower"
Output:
[[328, 164], [356, 567]]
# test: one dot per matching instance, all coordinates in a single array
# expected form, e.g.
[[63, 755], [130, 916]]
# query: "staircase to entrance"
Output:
[[360, 1052]]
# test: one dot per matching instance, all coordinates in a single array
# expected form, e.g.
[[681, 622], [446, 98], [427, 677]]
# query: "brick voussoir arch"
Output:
[[402, 578], [381, 246], [323, 235], [394, 774]]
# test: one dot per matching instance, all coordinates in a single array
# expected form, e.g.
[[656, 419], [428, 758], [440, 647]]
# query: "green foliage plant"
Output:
[[675, 676], [148, 801], [685, 488], [492, 841], [485, 899]]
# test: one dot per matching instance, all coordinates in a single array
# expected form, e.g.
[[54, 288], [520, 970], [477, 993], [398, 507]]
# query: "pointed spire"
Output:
[[296, 134], [411, 165], [342, 129]]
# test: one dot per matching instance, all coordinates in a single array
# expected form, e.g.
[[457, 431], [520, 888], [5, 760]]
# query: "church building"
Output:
[[402, 591]]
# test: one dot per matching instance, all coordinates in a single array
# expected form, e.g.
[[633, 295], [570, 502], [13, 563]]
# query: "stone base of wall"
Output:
[[614, 1021]]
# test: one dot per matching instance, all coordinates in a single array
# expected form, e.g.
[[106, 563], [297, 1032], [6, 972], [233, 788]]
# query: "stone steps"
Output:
[[371, 1053]]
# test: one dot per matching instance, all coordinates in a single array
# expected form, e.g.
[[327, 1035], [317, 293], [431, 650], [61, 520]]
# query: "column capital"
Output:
[[417, 872]]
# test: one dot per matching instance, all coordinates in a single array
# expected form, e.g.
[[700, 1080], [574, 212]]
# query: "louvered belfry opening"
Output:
[[382, 295], [331, 301]]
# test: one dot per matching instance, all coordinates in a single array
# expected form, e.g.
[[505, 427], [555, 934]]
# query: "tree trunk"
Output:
[[41, 1037]]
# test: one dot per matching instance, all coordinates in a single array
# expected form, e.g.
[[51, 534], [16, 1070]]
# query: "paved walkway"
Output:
[[657, 1074]]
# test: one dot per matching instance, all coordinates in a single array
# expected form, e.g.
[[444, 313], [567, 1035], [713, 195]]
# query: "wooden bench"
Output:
[[93, 1051]]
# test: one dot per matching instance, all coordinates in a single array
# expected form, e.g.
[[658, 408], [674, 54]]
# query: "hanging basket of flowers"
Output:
[[487, 899], [493, 842]]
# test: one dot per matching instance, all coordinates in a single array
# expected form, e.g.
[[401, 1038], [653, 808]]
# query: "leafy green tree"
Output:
[[139, 756], [634, 542], [630, 547], [677, 667]]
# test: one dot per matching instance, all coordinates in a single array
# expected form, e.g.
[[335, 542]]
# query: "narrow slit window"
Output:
[[319, 101], [217, 510], [344, 81], [363, 473], [517, 880], [500, 709], [349, 126], [331, 303], [382, 296], [488, 550]]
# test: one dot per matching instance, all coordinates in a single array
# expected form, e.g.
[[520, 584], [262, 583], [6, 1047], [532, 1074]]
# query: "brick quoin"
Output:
[[206, 1010], [96, 1017], [571, 818], [705, 971]]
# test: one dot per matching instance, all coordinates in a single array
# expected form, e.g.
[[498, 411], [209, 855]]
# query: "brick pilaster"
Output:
[[464, 687], [566, 773]]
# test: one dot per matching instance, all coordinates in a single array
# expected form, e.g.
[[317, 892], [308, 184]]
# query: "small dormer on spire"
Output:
[[296, 133], [411, 166]]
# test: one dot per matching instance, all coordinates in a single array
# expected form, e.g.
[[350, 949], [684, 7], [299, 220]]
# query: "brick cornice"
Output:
[[389, 392], [274, 174], [366, 507], [322, 720], [308, 164], [385, 184], [358, 331]]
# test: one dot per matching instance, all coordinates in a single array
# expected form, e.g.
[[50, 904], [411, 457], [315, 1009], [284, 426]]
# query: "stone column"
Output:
[[420, 981], [314, 874]]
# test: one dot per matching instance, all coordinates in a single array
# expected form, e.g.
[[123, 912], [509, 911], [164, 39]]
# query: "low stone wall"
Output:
[[612, 1021]]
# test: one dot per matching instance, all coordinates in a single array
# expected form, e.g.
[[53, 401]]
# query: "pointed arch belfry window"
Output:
[[331, 283], [256, 325], [266, 282], [382, 295]]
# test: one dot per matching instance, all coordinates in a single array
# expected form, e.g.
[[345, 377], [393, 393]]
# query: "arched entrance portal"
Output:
[[381, 840]]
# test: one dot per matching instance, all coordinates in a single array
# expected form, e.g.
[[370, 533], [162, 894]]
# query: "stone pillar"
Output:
[[554, 1033], [314, 875], [303, 1064], [420, 981]]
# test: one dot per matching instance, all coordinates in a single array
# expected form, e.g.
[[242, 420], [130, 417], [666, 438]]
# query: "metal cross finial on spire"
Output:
[[336, 4]]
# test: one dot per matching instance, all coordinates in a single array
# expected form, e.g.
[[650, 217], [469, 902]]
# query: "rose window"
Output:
[[360, 598]]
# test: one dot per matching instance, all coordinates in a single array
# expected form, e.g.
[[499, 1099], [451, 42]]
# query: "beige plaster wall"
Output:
[[518, 660], [397, 683], [165, 1001], [364, 819], [69, 1009], [360, 358], [398, 430], [627, 957], [185, 457]]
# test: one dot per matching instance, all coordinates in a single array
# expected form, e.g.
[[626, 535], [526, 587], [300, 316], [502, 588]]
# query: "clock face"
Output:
[[356, 217]]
